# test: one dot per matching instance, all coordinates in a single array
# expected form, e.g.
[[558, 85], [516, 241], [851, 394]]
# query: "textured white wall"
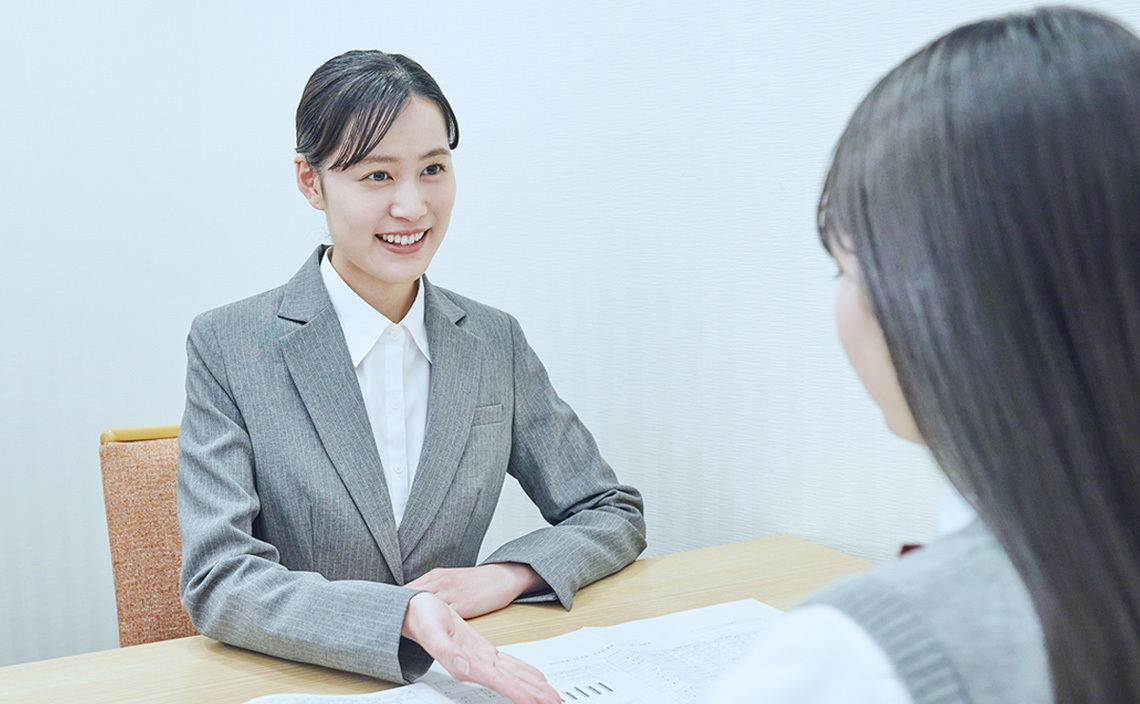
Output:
[[637, 183]]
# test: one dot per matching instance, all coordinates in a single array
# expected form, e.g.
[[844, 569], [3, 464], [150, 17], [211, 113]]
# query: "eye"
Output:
[[378, 176], [434, 170]]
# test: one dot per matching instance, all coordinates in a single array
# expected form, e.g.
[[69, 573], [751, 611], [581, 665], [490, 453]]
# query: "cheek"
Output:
[[357, 214], [847, 320], [866, 348], [863, 341], [442, 199]]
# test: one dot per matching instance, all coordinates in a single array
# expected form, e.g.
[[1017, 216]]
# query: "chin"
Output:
[[401, 273], [904, 428]]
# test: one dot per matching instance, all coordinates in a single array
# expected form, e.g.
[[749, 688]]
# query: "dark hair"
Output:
[[351, 101], [989, 188]]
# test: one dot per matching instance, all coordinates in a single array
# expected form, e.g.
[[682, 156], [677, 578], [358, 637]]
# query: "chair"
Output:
[[140, 479]]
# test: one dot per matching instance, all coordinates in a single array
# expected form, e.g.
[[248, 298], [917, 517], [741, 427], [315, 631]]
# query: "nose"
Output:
[[408, 203]]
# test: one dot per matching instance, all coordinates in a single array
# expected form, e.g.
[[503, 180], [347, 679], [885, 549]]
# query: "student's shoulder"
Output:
[[963, 556], [971, 553], [955, 612], [961, 583]]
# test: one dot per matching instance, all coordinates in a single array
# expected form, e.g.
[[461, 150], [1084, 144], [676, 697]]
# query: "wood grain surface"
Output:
[[778, 570]]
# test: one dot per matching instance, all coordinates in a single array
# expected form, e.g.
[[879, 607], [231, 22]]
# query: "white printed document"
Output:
[[665, 660]]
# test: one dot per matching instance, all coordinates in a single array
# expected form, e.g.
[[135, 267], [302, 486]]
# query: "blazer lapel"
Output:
[[319, 363], [456, 360]]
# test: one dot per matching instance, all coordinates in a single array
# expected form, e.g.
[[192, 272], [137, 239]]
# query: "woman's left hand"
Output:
[[474, 591]]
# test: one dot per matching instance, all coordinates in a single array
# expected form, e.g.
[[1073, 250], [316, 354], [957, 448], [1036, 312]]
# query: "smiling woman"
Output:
[[346, 435], [388, 213]]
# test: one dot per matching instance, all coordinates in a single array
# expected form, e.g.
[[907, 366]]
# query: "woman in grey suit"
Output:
[[347, 434]]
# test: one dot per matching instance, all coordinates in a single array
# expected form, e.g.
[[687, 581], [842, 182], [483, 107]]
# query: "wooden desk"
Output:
[[778, 570]]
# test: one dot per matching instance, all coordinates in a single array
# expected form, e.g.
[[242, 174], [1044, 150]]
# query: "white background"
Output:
[[637, 184]]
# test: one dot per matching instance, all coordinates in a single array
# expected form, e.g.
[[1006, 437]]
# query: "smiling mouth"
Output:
[[403, 239]]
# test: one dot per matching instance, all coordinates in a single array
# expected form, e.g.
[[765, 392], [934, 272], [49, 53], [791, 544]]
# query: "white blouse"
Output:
[[393, 368]]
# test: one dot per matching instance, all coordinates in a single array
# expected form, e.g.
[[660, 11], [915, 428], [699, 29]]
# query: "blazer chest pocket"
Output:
[[486, 415]]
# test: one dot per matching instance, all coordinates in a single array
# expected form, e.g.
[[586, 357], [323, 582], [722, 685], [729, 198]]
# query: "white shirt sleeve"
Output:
[[816, 655]]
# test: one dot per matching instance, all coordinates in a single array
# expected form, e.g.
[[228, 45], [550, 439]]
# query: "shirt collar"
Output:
[[362, 324], [954, 513], [414, 323]]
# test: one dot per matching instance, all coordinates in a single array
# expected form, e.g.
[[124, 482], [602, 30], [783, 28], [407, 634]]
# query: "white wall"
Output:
[[637, 185]]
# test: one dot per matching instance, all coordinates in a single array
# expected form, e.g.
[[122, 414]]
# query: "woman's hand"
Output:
[[474, 591], [468, 656]]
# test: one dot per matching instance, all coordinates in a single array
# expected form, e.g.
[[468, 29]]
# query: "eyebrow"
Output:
[[440, 151]]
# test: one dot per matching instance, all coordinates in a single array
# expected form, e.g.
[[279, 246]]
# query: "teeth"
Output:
[[403, 239]]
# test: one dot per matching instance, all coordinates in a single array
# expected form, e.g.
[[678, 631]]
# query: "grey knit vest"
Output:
[[956, 621]]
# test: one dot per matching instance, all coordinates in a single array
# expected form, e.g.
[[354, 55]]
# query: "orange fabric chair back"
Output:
[[140, 480]]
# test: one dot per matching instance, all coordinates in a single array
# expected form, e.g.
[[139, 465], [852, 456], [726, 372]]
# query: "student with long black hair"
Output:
[[347, 434], [984, 207]]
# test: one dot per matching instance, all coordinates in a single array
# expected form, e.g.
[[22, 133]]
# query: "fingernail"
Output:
[[462, 666]]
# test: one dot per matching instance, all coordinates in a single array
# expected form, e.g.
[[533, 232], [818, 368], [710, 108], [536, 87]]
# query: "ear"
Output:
[[309, 182]]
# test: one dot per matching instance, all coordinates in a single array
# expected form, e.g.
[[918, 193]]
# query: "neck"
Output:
[[392, 300]]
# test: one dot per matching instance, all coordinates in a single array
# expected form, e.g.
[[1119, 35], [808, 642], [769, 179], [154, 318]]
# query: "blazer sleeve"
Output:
[[597, 524], [232, 584]]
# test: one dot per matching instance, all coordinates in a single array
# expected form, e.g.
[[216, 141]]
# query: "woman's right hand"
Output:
[[468, 656]]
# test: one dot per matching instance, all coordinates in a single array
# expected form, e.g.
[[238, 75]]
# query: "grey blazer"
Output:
[[289, 544]]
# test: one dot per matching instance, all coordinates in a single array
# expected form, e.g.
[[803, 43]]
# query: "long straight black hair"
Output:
[[989, 188]]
